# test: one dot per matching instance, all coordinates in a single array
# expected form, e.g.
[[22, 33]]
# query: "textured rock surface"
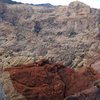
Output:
[[65, 32], [90, 94], [50, 81]]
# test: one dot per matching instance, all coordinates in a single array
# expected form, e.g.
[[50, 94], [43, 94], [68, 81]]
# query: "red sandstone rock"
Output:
[[49, 81]]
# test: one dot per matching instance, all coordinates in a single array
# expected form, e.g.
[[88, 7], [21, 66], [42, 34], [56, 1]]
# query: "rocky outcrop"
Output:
[[66, 33], [45, 80], [44, 5], [78, 8]]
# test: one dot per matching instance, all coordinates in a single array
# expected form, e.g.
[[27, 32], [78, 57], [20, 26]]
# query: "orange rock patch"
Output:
[[45, 80]]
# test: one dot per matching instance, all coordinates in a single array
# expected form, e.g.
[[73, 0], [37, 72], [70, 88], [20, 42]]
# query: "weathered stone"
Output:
[[2, 50], [51, 81], [64, 34]]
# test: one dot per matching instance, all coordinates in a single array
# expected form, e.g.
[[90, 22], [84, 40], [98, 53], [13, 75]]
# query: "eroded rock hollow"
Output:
[[45, 80]]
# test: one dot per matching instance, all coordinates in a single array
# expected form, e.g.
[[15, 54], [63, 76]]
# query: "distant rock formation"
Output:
[[78, 8], [9, 2], [44, 5]]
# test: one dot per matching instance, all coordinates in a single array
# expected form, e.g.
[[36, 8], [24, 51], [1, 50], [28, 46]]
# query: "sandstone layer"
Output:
[[45, 80]]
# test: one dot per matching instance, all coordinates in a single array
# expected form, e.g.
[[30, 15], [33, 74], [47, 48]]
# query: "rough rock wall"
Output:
[[66, 34], [63, 33], [45, 80]]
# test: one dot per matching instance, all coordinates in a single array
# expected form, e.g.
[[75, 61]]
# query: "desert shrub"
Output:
[[18, 14], [72, 34], [59, 33], [11, 16], [37, 27], [3, 10]]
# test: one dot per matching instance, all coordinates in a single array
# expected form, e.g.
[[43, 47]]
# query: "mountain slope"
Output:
[[66, 34]]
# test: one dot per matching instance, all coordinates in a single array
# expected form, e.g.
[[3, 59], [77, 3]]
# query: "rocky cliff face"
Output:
[[45, 80], [66, 34]]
